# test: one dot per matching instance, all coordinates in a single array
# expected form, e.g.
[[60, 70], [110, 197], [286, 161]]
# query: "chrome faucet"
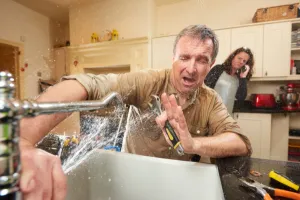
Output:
[[12, 111]]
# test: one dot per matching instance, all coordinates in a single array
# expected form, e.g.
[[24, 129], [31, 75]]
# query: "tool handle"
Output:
[[286, 194], [267, 197], [171, 134], [280, 178]]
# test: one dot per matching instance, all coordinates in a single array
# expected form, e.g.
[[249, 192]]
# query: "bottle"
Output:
[[292, 65], [298, 37], [294, 71]]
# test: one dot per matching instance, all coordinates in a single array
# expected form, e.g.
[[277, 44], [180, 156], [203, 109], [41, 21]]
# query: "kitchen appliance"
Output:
[[290, 97], [263, 100]]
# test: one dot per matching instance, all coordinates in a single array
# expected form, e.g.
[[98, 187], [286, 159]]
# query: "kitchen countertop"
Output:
[[263, 110], [232, 168], [247, 107]]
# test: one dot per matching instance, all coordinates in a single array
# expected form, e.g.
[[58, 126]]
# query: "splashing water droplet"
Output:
[[98, 132]]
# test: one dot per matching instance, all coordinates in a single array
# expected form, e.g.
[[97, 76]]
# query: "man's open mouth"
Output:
[[188, 81]]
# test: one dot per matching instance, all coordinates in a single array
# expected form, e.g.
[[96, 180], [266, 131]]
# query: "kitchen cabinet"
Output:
[[251, 37], [277, 49], [162, 52], [268, 134], [257, 127], [224, 37], [280, 137]]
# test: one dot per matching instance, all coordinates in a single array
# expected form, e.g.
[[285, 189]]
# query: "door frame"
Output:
[[20, 82]]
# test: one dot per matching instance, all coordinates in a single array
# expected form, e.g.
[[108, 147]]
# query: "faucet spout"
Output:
[[32, 108], [11, 111]]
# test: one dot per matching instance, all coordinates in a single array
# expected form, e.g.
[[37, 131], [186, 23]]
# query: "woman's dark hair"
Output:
[[250, 62]]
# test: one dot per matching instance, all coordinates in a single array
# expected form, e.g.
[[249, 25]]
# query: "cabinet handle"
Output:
[[237, 116], [266, 74]]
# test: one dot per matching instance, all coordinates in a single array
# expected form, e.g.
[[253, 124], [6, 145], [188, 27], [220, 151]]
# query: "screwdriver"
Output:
[[283, 180]]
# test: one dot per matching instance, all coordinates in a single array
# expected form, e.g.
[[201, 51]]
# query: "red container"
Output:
[[263, 100]]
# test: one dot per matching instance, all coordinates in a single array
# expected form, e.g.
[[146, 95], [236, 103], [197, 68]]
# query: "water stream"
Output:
[[98, 132]]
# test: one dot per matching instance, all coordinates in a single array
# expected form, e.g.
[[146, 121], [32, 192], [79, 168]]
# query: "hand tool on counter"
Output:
[[266, 192], [283, 180], [155, 105]]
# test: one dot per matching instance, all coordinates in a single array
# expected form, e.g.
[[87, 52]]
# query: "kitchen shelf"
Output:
[[281, 78], [295, 49], [97, 45], [294, 137]]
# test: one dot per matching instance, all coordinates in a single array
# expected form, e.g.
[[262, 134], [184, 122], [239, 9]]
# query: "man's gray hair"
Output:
[[200, 32]]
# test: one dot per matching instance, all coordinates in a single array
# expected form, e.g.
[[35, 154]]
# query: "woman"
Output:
[[230, 78]]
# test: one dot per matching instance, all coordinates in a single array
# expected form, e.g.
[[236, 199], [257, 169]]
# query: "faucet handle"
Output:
[[5, 75], [7, 86]]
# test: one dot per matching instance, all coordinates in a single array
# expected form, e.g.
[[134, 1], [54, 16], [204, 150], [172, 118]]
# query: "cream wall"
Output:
[[139, 18], [59, 33], [16, 21], [214, 13], [129, 17]]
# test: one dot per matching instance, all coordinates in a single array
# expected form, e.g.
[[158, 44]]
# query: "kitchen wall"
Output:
[[135, 18], [215, 13], [129, 17], [17, 21], [59, 33]]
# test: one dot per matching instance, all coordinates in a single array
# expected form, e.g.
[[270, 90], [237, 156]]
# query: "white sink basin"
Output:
[[108, 175]]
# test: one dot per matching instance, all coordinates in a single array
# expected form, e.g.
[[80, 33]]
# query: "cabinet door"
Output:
[[257, 127], [277, 49], [162, 52], [251, 37], [224, 37]]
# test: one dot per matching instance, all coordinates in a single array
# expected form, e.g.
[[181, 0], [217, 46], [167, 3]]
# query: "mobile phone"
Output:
[[244, 68]]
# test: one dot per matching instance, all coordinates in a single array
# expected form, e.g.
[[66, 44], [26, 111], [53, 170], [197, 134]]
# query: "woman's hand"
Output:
[[245, 73], [174, 114]]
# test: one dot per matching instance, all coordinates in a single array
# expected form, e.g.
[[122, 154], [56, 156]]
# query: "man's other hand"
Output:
[[42, 176]]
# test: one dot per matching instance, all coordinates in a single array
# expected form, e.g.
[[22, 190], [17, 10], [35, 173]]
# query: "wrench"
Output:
[[155, 105]]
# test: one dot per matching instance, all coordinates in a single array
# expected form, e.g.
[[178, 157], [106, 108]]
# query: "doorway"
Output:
[[9, 61]]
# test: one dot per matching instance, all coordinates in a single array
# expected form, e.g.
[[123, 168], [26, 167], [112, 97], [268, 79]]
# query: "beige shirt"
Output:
[[204, 111]]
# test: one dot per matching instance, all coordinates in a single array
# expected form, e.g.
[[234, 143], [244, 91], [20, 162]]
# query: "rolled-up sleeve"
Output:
[[221, 122], [97, 86], [133, 87]]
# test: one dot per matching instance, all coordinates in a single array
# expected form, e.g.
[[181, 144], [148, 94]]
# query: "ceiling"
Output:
[[55, 9], [165, 2], [59, 9]]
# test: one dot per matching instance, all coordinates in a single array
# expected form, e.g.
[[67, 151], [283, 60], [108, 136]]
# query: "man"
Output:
[[193, 110]]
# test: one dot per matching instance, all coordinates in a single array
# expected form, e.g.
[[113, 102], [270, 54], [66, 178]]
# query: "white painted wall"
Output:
[[129, 17], [136, 18], [16, 21], [59, 33], [214, 13]]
